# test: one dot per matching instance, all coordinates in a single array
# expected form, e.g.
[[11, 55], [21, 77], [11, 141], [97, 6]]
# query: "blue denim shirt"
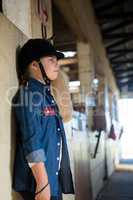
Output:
[[39, 129]]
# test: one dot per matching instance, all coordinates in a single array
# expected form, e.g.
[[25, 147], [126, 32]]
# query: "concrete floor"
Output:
[[119, 187]]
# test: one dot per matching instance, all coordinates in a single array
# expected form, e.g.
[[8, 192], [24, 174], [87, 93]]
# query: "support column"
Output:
[[86, 67]]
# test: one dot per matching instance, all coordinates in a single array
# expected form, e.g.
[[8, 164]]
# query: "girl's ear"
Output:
[[34, 65]]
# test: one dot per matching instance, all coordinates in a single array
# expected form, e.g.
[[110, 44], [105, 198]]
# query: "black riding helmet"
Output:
[[34, 49]]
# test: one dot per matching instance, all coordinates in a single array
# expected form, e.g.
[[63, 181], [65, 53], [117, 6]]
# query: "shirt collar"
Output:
[[38, 84]]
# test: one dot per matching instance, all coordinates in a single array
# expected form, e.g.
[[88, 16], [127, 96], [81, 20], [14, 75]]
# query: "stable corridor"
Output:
[[119, 187]]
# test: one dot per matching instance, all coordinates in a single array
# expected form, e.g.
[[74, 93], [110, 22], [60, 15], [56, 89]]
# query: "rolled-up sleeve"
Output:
[[30, 135]]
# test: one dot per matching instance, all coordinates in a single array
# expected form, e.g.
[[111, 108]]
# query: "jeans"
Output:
[[30, 196]]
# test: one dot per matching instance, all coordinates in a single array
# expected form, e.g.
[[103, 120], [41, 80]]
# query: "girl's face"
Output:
[[51, 66]]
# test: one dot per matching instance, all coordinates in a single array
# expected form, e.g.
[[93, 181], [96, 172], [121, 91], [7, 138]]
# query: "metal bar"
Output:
[[97, 144]]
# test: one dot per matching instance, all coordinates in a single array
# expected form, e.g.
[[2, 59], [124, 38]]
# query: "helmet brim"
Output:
[[59, 55]]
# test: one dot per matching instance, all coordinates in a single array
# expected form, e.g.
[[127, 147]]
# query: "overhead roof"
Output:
[[115, 18]]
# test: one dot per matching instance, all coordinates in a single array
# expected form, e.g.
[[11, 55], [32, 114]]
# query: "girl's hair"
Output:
[[23, 76]]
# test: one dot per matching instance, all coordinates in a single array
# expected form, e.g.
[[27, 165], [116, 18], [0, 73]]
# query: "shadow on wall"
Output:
[[14, 195]]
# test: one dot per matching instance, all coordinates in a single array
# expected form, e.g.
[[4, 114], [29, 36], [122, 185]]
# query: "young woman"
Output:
[[42, 162]]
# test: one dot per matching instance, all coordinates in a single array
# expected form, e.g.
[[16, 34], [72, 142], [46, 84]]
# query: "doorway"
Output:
[[126, 119]]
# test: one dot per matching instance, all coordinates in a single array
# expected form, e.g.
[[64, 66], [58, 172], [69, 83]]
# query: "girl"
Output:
[[42, 167]]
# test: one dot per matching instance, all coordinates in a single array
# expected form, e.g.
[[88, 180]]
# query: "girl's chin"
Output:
[[54, 77]]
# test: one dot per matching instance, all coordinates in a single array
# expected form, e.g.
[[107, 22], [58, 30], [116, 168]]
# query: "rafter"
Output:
[[112, 16], [116, 57], [122, 24], [118, 35], [124, 74], [122, 69], [119, 62], [124, 77], [114, 51], [130, 81], [118, 43], [108, 6]]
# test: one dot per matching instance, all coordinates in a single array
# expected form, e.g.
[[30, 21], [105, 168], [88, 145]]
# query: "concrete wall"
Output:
[[97, 165], [101, 167], [10, 38]]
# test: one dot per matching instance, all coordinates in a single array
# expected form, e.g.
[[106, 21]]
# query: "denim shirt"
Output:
[[39, 129]]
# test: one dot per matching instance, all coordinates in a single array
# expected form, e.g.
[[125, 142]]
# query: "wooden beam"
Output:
[[123, 77], [118, 15], [119, 62], [68, 61], [122, 69], [118, 35], [114, 51], [118, 43], [79, 23], [108, 6], [130, 81], [122, 24], [116, 56], [66, 8], [124, 74]]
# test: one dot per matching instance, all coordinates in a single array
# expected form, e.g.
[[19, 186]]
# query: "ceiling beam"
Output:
[[124, 77], [122, 70], [114, 51], [119, 62], [122, 24], [118, 43], [130, 81], [108, 6], [112, 16], [116, 57], [118, 35]]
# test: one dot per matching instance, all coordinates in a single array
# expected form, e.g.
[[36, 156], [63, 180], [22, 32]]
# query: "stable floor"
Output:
[[119, 187]]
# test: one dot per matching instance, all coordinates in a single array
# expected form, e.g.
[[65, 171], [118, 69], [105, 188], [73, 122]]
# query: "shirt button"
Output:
[[52, 101], [57, 173], [58, 158], [58, 129], [58, 144]]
